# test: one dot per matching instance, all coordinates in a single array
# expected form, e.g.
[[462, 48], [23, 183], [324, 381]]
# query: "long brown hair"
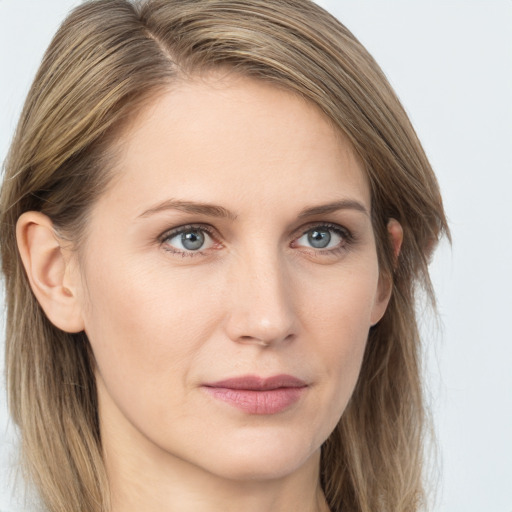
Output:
[[108, 58]]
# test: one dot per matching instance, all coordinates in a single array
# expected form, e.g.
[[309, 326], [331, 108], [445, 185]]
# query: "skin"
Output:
[[256, 299]]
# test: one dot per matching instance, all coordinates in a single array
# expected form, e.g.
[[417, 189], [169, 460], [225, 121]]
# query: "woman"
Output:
[[215, 215]]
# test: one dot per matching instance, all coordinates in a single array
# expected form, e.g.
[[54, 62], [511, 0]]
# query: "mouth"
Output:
[[258, 395]]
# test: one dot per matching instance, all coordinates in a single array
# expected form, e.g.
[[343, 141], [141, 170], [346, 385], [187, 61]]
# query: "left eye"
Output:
[[190, 240], [322, 237]]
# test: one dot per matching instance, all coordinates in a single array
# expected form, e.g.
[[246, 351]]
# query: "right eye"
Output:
[[188, 240]]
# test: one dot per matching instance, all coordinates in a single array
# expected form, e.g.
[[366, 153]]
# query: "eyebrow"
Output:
[[345, 204], [212, 210]]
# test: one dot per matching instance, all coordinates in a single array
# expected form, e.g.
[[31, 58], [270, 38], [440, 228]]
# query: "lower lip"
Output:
[[269, 401]]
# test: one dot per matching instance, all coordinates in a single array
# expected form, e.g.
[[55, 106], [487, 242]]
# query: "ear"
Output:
[[385, 287], [50, 272]]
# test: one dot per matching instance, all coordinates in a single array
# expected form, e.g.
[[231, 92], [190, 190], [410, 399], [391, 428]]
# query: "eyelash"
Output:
[[347, 239], [346, 236], [185, 229]]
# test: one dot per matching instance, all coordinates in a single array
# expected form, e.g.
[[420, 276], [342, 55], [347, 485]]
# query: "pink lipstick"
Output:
[[257, 395]]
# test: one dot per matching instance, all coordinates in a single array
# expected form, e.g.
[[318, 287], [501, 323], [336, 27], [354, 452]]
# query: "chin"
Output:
[[263, 457]]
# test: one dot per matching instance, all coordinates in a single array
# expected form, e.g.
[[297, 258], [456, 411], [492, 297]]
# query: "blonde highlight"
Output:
[[108, 59]]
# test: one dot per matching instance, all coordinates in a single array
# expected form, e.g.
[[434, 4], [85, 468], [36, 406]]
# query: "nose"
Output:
[[260, 306]]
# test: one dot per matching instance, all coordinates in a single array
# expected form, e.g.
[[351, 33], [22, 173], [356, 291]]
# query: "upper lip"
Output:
[[256, 383]]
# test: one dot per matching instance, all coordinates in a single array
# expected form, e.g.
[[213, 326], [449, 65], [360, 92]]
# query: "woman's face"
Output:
[[230, 279]]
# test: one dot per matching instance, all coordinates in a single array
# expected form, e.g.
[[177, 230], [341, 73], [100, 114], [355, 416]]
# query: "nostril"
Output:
[[255, 341], [265, 342]]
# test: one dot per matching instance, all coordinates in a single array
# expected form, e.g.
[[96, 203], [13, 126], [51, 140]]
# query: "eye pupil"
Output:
[[192, 240], [319, 239]]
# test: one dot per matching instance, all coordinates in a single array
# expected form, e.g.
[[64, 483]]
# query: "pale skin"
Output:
[[174, 295]]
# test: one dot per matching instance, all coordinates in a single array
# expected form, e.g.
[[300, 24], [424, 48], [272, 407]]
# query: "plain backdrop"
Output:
[[451, 64]]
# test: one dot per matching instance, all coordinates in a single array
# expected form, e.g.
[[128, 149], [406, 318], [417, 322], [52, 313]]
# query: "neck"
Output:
[[141, 479], [189, 489]]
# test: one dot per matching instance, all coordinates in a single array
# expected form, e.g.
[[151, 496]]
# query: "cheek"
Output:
[[339, 305], [338, 317], [154, 329], [146, 328], [147, 319]]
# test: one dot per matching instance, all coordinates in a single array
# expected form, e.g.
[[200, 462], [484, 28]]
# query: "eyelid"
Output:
[[169, 233], [345, 232], [173, 232], [346, 235], [347, 238]]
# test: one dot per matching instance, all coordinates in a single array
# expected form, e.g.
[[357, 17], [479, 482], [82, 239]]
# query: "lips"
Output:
[[258, 395]]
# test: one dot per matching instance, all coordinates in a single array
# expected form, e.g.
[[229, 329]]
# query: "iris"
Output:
[[192, 240], [319, 239]]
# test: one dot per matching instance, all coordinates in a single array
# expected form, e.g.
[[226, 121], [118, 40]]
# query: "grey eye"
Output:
[[319, 239], [190, 240], [322, 237]]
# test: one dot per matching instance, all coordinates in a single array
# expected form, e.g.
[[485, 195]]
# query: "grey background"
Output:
[[451, 64]]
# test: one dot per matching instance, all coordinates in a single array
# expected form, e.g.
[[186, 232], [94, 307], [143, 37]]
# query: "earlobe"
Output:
[[49, 271], [396, 235]]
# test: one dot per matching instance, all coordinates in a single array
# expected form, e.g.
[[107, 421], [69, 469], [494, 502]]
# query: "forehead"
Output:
[[235, 139]]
